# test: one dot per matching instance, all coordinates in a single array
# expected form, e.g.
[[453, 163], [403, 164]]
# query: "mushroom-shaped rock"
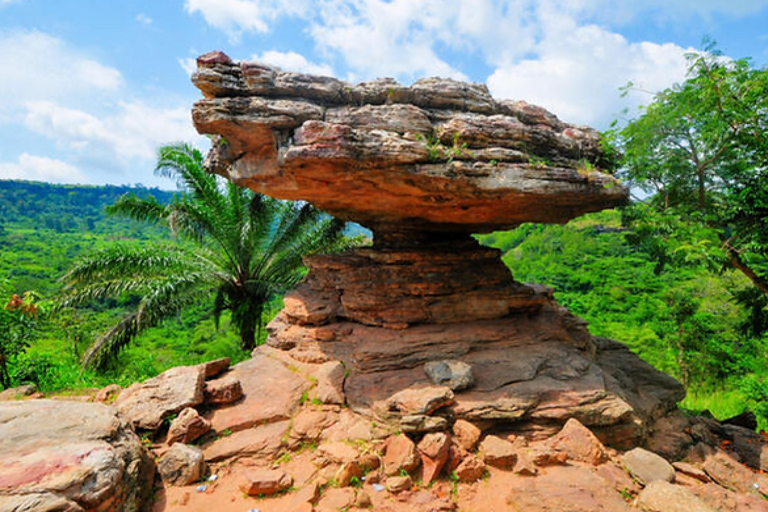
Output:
[[439, 155]]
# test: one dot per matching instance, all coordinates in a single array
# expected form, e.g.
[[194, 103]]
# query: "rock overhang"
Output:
[[436, 156]]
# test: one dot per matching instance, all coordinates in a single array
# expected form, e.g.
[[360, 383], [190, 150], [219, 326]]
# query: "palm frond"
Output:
[[141, 209]]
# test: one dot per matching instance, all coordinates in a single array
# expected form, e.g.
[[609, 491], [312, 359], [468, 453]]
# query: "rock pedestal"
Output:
[[423, 167]]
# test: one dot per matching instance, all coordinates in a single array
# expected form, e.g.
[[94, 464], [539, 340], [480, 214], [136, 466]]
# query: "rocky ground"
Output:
[[264, 435]]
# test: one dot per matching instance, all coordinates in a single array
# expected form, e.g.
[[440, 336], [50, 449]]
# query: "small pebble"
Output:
[[201, 488], [378, 487]]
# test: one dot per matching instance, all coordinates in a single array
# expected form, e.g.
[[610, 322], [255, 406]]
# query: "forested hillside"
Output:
[[686, 320]]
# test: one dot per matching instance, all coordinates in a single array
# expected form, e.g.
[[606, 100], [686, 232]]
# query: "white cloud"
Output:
[[40, 168], [144, 19], [578, 75], [189, 65], [134, 131], [41, 66], [289, 61], [235, 17]]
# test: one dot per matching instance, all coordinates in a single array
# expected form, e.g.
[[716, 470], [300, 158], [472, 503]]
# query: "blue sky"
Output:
[[91, 88]]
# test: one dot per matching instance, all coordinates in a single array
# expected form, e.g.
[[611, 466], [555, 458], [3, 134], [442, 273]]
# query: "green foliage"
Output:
[[237, 249], [18, 321], [689, 323], [700, 151]]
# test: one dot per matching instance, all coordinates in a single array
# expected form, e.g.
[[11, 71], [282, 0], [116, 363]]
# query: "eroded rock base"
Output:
[[405, 315]]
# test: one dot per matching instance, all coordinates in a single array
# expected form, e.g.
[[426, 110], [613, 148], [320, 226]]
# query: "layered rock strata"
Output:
[[423, 167]]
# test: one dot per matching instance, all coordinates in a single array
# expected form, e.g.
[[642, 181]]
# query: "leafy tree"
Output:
[[237, 249], [700, 152], [17, 321]]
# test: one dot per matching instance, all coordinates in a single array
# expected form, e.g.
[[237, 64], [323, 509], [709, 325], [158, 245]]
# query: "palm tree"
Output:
[[245, 249]]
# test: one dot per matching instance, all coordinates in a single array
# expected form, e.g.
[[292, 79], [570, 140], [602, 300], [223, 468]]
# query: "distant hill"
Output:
[[63, 208], [43, 227]]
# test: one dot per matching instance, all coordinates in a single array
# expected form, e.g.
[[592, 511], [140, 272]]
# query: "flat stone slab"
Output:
[[271, 392], [148, 403], [439, 155], [261, 442]]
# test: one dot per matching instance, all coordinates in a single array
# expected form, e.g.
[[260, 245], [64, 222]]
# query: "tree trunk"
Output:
[[5, 379], [735, 259]]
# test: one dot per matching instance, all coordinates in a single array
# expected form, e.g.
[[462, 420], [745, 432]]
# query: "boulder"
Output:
[[18, 392], [147, 404], [108, 394], [732, 475], [466, 434], [265, 482], [579, 443], [470, 469], [647, 467], [498, 452], [434, 454], [223, 391], [330, 383], [400, 453], [216, 367], [397, 484], [662, 496], [87, 459], [263, 442], [187, 426], [455, 374], [181, 465]]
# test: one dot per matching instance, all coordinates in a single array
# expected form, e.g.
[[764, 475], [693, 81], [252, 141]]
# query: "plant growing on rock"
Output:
[[237, 249]]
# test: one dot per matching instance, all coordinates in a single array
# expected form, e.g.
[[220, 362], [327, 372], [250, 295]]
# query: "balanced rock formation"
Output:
[[424, 167]]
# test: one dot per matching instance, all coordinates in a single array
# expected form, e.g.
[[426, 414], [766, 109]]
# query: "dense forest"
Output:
[[591, 263]]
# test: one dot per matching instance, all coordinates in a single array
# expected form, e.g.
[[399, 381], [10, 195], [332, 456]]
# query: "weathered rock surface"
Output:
[[647, 467], [58, 456], [662, 496], [181, 465], [271, 393], [187, 427], [561, 488], [147, 404], [266, 482], [438, 155]]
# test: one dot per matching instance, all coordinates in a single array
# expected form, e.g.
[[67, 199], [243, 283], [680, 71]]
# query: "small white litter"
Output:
[[378, 487], [213, 478], [201, 488]]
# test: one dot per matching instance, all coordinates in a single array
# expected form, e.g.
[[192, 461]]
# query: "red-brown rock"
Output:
[[265, 482], [470, 469], [223, 391], [466, 434], [434, 449], [498, 452], [147, 404], [187, 427], [400, 453], [579, 443]]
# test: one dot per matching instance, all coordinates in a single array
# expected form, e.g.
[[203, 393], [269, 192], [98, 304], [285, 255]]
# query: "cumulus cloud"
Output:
[[44, 66], [292, 61], [135, 130], [578, 76], [41, 168], [235, 17]]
